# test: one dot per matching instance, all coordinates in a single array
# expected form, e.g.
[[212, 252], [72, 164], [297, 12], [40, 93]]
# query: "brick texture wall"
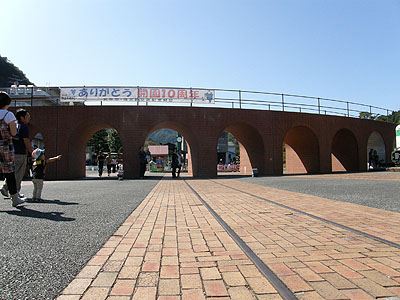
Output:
[[314, 143]]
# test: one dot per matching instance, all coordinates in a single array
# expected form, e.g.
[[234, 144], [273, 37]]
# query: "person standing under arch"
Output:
[[100, 161], [8, 128], [142, 162], [109, 163], [176, 163]]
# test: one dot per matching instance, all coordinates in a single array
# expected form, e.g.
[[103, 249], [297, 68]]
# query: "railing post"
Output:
[[319, 107], [240, 99], [137, 98], [233, 105], [32, 96], [348, 109], [387, 115], [283, 103], [300, 109], [269, 106], [191, 97], [370, 110]]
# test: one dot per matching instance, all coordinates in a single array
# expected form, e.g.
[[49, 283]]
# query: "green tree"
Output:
[[367, 115], [114, 141], [10, 74], [99, 141], [394, 117]]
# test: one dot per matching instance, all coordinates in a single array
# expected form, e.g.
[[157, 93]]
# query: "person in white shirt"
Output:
[[8, 129]]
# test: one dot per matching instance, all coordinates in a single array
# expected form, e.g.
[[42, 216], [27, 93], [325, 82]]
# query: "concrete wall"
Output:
[[316, 143]]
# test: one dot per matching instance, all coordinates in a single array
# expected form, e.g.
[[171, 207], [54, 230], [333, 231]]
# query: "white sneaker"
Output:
[[16, 200], [22, 196], [4, 192]]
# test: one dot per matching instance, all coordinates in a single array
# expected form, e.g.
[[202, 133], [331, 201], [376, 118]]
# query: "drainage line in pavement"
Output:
[[281, 288], [318, 218]]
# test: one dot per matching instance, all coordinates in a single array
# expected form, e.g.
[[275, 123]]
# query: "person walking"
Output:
[[100, 161], [8, 128], [109, 163], [22, 145], [176, 163], [142, 162]]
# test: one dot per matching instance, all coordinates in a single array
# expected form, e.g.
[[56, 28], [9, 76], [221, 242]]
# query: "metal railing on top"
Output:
[[224, 98]]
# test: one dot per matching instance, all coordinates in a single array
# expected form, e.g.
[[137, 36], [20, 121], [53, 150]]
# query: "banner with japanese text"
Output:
[[175, 95]]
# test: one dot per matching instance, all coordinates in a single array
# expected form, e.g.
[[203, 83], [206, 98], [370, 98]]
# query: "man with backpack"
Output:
[[22, 145]]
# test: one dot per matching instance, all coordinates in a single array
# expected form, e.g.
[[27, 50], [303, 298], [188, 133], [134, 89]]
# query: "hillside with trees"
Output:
[[394, 117], [10, 74]]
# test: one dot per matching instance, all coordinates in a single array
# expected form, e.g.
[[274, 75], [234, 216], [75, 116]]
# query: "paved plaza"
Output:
[[331, 236]]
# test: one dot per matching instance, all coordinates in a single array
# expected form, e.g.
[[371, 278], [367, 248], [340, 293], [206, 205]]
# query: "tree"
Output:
[[106, 140], [394, 117], [10, 74], [99, 141], [367, 115], [114, 141]]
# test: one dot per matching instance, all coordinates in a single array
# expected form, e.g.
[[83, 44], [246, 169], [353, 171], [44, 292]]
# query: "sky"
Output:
[[339, 49]]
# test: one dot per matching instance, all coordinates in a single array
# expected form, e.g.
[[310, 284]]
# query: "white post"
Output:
[[398, 136]]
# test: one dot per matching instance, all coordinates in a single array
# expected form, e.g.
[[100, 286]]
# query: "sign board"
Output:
[[398, 136], [168, 95]]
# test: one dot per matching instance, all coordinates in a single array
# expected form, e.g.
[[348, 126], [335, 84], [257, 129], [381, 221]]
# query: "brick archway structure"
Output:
[[66, 130], [344, 151], [302, 151], [251, 146]]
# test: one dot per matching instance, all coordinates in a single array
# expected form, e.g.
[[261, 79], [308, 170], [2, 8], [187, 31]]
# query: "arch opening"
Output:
[[228, 151], [104, 154], [300, 151], [344, 153], [249, 148], [166, 151], [376, 151]]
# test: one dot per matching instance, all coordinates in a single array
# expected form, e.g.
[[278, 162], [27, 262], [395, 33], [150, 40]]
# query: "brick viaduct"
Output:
[[314, 143]]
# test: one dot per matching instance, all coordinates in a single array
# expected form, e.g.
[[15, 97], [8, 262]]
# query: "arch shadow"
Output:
[[251, 146], [302, 151], [344, 152]]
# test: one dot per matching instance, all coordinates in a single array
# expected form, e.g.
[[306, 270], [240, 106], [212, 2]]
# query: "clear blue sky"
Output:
[[342, 49]]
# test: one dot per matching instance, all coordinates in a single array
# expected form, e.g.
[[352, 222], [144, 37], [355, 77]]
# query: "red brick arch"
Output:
[[78, 140], [188, 135], [66, 130], [251, 146], [345, 151], [302, 151]]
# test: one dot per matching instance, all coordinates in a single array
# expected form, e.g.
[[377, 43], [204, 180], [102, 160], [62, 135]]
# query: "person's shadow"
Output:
[[48, 201], [30, 213]]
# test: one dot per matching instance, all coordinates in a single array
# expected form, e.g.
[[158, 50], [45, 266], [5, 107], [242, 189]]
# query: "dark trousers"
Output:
[[11, 182], [101, 169], [142, 169], [109, 169]]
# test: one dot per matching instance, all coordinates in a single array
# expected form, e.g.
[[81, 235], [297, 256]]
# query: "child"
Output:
[[39, 169]]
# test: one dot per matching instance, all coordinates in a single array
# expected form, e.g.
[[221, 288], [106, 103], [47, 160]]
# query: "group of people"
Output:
[[110, 162], [144, 158], [15, 147]]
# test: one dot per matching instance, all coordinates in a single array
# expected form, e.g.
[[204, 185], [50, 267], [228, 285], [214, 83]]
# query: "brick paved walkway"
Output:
[[171, 247]]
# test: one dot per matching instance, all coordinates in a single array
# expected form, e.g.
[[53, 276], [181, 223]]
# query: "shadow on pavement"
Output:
[[55, 201], [30, 213]]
